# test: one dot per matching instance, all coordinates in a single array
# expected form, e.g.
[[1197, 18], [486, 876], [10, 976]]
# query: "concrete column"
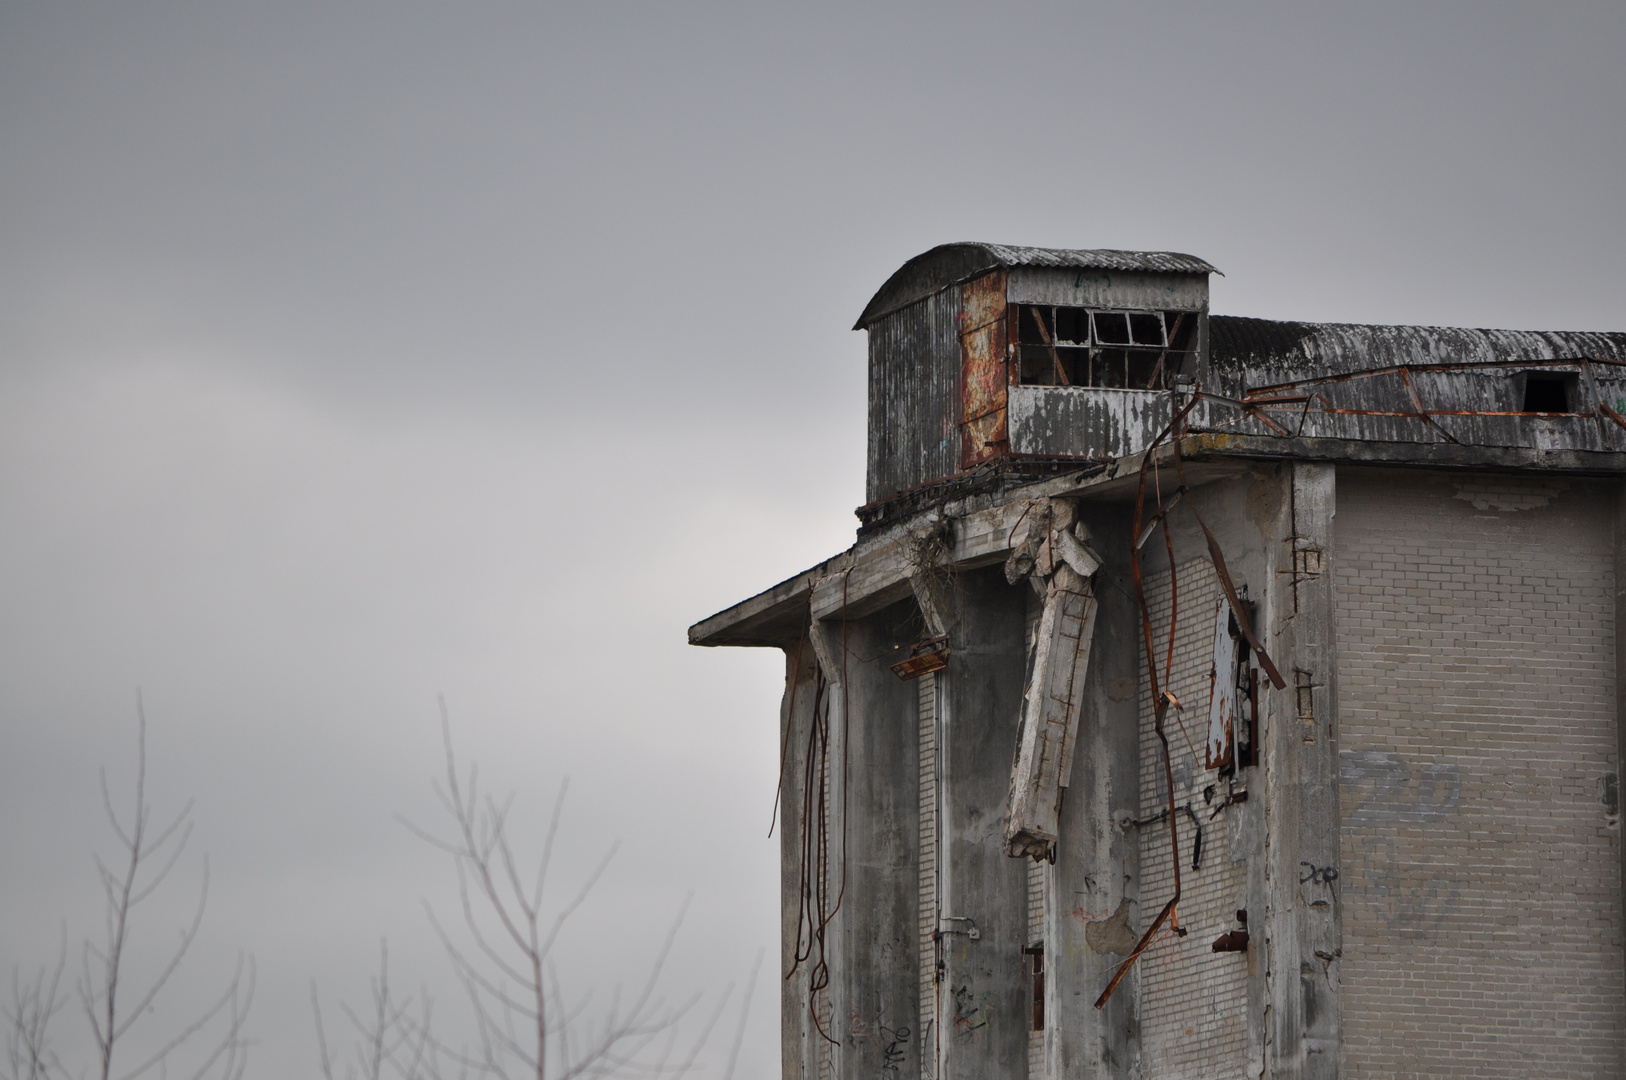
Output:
[[1097, 867], [1303, 921], [1620, 682], [874, 767], [798, 1046], [987, 987]]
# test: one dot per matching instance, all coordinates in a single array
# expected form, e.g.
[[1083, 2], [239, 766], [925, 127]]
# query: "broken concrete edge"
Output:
[[877, 566]]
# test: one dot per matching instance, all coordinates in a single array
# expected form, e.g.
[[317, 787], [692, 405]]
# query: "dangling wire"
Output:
[[815, 907]]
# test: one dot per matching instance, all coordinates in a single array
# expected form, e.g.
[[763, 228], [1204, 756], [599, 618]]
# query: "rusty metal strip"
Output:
[[1160, 706], [1160, 711], [1256, 414], [1612, 414], [926, 656], [985, 413], [1597, 414], [1441, 412], [1174, 614], [1218, 558], [1285, 399], [1422, 413], [1157, 518], [1304, 413]]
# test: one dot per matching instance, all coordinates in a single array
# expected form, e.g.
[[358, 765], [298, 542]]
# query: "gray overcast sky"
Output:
[[351, 354]]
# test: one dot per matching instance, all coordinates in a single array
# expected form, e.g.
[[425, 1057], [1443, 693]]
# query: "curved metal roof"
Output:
[[1238, 342], [950, 264]]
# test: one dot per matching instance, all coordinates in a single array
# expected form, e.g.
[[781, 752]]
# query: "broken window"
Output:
[[1037, 952], [1233, 697], [1548, 392], [1074, 346]]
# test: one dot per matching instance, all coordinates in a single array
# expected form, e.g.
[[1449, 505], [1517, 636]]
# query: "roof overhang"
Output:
[[874, 572]]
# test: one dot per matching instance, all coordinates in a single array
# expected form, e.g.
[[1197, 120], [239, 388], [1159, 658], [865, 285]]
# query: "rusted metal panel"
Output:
[[925, 658], [982, 302], [984, 371]]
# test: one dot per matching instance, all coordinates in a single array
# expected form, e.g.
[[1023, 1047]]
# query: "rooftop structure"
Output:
[[1204, 696]]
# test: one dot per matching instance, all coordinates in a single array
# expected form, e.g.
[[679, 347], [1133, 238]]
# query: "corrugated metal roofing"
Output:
[[950, 264], [1266, 348], [1151, 262]]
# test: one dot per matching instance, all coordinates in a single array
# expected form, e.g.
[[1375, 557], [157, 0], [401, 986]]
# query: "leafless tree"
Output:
[[34, 1005], [112, 1005], [394, 1039], [525, 1024]]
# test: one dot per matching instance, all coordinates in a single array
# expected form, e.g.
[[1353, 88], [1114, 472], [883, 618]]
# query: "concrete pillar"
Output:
[[1303, 921], [874, 767], [1097, 866], [798, 1046], [987, 982], [1612, 806]]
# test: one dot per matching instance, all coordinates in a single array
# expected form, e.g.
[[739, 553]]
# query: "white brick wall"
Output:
[[1480, 877], [927, 908], [1039, 879]]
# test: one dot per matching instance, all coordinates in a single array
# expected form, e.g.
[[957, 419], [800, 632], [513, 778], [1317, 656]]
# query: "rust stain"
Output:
[[984, 371], [982, 301], [928, 656]]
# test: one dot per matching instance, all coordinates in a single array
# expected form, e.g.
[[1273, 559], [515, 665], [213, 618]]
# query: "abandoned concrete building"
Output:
[[1204, 696]]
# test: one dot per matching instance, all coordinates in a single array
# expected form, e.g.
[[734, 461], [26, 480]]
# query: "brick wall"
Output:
[[1480, 875], [1193, 1001], [926, 927]]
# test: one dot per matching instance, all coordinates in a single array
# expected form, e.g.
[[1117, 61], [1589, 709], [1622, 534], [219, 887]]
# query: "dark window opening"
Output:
[[1547, 393], [1111, 327], [1146, 330], [1244, 748], [1037, 952], [1073, 324], [1131, 350]]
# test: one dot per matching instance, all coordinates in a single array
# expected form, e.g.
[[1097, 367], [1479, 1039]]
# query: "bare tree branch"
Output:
[[147, 860], [525, 1022], [391, 1040], [29, 1055]]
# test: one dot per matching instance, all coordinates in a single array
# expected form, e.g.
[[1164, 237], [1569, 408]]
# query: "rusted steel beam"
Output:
[[1417, 403]]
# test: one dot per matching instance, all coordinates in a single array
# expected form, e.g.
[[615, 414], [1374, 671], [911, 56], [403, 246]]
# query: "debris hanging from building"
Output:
[[1204, 696]]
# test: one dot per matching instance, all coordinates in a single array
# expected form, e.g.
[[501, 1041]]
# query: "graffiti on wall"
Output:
[[1383, 793]]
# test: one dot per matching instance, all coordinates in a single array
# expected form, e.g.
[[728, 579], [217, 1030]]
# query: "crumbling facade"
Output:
[[1204, 696]]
